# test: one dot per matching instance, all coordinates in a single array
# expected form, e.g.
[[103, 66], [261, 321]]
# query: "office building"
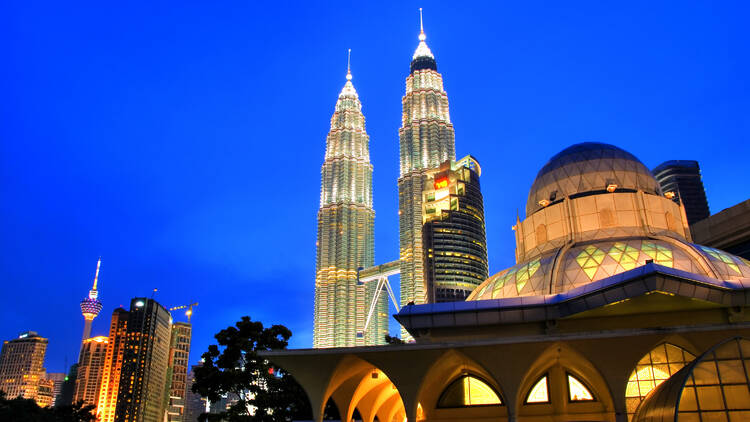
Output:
[[57, 379], [345, 229], [426, 140], [91, 366], [142, 393], [454, 239], [179, 354], [22, 368], [681, 180], [110, 384]]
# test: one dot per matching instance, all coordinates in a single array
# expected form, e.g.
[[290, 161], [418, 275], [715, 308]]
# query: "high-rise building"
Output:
[[45, 396], [454, 236], [681, 180], [91, 364], [143, 379], [91, 306], [179, 353], [57, 379], [194, 403], [345, 229], [21, 367], [426, 140], [107, 403]]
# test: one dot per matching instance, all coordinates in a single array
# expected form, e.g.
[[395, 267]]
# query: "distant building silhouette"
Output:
[[683, 178]]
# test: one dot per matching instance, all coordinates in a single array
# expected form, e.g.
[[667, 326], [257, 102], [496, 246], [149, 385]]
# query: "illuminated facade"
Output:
[[426, 139], [21, 368], [453, 234], [91, 365], [179, 354], [91, 305], [345, 232], [143, 379], [611, 313], [109, 386]]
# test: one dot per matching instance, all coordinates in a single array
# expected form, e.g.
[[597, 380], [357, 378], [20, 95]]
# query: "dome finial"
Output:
[[348, 66], [422, 36]]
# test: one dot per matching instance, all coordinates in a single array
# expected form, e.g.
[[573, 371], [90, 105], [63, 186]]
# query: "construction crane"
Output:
[[189, 311]]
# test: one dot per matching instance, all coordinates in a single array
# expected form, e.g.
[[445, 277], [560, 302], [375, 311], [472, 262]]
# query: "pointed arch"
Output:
[[451, 370], [468, 390], [545, 386]]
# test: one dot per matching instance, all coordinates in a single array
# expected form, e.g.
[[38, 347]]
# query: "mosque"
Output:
[[610, 314]]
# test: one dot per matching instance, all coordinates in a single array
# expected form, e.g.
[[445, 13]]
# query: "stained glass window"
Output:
[[577, 390], [625, 255], [589, 260], [653, 369], [468, 390], [539, 392], [723, 257], [661, 254]]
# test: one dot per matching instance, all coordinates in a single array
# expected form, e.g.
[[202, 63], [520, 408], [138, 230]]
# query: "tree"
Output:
[[258, 391], [21, 409]]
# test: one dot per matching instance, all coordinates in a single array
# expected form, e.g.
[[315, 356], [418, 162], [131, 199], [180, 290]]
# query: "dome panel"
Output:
[[587, 167]]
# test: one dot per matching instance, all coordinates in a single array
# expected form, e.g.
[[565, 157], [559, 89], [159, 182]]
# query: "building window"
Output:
[[468, 390], [653, 369], [577, 390], [539, 393]]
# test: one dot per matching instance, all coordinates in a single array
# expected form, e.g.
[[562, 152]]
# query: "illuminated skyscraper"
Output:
[[91, 306], [105, 409], [142, 395], [454, 237], [21, 368], [179, 353], [426, 140], [345, 229], [90, 370]]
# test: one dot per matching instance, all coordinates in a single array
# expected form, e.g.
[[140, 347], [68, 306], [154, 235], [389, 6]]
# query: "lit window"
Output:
[[539, 392], [468, 391], [577, 391]]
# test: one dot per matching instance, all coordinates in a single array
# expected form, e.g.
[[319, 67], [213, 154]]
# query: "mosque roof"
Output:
[[588, 167]]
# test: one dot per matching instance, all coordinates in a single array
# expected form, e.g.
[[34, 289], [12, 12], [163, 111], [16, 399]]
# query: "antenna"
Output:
[[96, 276], [348, 66], [422, 36]]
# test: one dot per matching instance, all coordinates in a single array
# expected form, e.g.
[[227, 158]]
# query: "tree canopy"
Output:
[[21, 409], [254, 389]]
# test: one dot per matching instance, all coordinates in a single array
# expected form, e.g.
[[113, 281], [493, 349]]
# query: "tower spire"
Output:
[[348, 66], [96, 276], [422, 35]]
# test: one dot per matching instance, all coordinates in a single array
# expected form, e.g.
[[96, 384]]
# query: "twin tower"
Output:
[[443, 253]]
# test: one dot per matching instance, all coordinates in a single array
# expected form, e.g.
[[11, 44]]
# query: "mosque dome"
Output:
[[585, 168], [586, 232]]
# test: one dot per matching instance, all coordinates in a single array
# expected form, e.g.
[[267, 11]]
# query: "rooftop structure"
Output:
[[728, 230]]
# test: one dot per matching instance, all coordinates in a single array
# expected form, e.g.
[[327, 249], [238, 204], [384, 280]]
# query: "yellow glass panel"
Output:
[[481, 394], [578, 391], [709, 398], [590, 272], [737, 396], [539, 392]]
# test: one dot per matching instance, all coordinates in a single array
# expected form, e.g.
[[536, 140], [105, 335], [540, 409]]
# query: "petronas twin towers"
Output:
[[346, 216]]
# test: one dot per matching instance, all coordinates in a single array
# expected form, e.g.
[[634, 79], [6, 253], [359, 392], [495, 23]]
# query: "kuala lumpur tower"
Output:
[[426, 140], [345, 232], [91, 306]]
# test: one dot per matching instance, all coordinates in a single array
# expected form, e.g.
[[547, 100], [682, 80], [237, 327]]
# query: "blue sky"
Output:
[[183, 141]]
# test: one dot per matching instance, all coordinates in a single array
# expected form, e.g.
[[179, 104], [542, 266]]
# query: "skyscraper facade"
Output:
[[143, 379], [57, 379], [90, 370], [22, 366], [118, 330], [194, 403], [683, 179], [454, 236], [426, 140], [91, 306], [179, 353], [345, 229]]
